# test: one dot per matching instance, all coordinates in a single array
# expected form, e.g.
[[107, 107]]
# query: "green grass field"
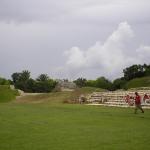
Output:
[[58, 126]]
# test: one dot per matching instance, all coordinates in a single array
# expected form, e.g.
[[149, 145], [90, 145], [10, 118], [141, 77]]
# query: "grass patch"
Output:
[[7, 94], [72, 127], [138, 82]]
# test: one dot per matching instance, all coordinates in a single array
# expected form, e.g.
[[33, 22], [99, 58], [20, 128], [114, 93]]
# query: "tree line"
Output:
[[134, 71], [43, 83], [23, 81]]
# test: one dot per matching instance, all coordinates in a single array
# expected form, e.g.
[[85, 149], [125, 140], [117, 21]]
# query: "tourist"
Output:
[[138, 103], [146, 97], [129, 99]]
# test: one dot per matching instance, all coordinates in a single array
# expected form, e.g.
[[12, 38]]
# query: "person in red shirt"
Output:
[[146, 97], [138, 102]]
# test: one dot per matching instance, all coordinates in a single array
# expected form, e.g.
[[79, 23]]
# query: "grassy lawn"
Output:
[[57, 126]]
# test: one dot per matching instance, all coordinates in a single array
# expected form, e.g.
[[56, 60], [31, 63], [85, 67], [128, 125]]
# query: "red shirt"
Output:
[[146, 97], [137, 99]]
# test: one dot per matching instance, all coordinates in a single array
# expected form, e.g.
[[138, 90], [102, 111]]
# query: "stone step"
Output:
[[117, 103], [112, 105]]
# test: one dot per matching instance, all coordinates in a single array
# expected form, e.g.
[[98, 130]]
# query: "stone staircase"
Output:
[[116, 98]]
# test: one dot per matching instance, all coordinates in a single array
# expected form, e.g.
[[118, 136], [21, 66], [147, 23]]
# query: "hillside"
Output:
[[7, 94], [138, 82]]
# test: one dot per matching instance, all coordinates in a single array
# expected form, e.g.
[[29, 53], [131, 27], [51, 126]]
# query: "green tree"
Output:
[[20, 79], [91, 83], [118, 83], [80, 82], [43, 77], [146, 69], [15, 77], [103, 83], [135, 71], [25, 75], [45, 86]]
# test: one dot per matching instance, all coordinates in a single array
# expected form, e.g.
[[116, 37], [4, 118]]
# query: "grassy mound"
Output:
[[7, 94], [138, 82]]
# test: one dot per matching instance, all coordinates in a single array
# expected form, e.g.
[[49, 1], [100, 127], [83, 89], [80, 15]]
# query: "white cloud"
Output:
[[109, 58], [143, 54]]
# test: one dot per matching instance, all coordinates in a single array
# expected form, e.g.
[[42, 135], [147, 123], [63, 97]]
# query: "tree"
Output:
[[15, 77], [135, 71], [118, 83], [20, 79], [146, 69], [45, 86], [103, 83], [91, 83], [42, 77], [80, 82], [31, 85], [25, 75]]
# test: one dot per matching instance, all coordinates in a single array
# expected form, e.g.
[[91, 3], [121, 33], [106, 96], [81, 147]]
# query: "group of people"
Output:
[[131, 100]]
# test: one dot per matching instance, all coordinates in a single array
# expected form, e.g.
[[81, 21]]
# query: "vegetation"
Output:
[[77, 127], [100, 82], [7, 94], [132, 72], [44, 84], [119, 83], [135, 71], [3, 81], [81, 82], [138, 82], [23, 81]]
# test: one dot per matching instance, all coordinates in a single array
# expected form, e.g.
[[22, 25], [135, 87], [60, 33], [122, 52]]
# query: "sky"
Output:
[[73, 38]]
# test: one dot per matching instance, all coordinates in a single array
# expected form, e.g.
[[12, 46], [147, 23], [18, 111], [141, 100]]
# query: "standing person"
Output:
[[138, 102], [146, 97]]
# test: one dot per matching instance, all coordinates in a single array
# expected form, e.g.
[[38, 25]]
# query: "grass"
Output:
[[60, 126], [59, 97], [139, 82], [44, 122], [7, 94]]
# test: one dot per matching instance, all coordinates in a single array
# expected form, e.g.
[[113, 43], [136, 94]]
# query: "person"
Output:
[[138, 103], [146, 97], [129, 99]]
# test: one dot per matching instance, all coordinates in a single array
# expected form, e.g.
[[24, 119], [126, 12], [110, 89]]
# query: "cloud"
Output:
[[35, 33], [110, 57], [74, 11]]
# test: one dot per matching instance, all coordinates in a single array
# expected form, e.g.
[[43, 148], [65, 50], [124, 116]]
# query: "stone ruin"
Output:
[[117, 98], [65, 85]]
